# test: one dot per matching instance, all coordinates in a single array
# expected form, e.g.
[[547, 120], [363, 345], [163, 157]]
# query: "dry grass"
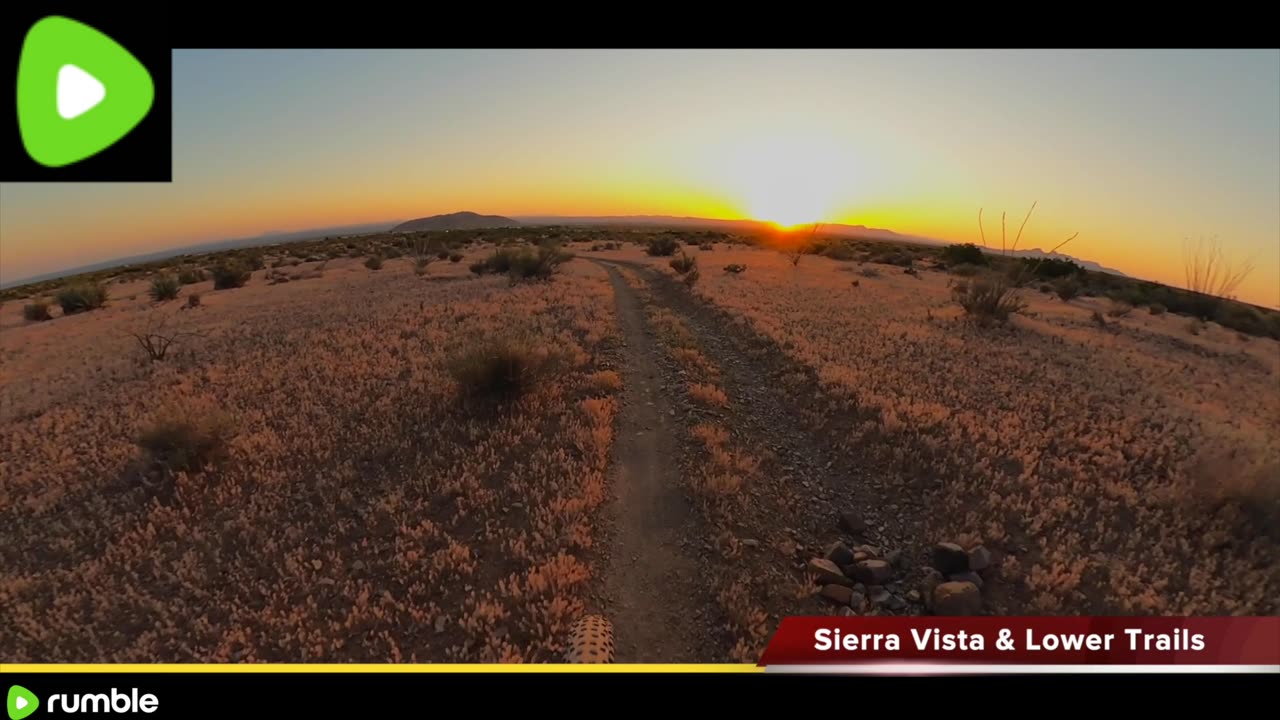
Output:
[[708, 395], [1066, 446], [356, 514]]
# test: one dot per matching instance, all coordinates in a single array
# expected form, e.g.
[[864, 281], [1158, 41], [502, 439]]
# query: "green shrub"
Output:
[[841, 251], [963, 254], [1156, 309], [164, 287], [684, 262], [991, 298], [186, 444], [664, 246], [499, 368], [455, 257], [36, 312], [1067, 288], [191, 276], [82, 297], [523, 263], [229, 275], [373, 262]]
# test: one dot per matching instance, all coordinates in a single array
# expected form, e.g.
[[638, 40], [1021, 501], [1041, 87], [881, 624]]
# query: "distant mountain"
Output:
[[455, 221], [670, 221], [1038, 253]]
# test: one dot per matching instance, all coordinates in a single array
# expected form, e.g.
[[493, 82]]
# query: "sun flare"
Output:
[[791, 178]]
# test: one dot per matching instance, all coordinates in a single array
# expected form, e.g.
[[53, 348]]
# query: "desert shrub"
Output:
[[684, 262], [870, 272], [164, 287], [1119, 309], [442, 254], [1098, 320], [1046, 288], [191, 276], [455, 257], [499, 368], [991, 298], [180, 442], [841, 251], [254, 261], [230, 275], [1048, 268], [1241, 317], [912, 272], [193, 300], [373, 262], [82, 297], [963, 254], [1156, 309], [524, 263], [706, 246], [709, 395], [965, 270], [1067, 288], [420, 266], [1195, 326], [391, 253], [605, 381], [36, 312], [664, 246], [735, 268]]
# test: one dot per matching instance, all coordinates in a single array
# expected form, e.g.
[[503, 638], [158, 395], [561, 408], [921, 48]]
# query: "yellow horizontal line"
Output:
[[374, 668]]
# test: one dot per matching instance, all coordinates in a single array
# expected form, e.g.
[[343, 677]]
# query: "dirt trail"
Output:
[[657, 603]]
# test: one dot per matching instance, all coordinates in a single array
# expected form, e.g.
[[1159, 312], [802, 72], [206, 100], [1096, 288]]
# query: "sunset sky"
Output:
[[1135, 150]]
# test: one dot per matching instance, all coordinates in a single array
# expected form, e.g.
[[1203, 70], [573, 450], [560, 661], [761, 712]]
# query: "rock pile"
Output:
[[953, 585]]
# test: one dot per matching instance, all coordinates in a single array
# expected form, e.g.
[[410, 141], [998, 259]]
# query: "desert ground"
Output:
[[334, 469]]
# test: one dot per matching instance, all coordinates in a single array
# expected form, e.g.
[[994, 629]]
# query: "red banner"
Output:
[[1026, 641]]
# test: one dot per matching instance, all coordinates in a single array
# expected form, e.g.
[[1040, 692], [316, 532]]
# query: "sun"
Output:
[[790, 178]]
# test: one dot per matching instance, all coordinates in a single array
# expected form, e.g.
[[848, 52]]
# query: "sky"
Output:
[[1135, 150]]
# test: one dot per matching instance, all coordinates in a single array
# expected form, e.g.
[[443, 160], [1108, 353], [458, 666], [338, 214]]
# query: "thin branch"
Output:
[[1002, 242], [1023, 225], [981, 232]]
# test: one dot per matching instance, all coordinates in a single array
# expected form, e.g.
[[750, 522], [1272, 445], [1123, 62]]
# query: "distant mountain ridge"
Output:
[[464, 220], [671, 221], [1037, 253]]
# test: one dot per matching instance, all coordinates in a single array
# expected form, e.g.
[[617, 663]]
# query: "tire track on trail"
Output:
[[659, 607]]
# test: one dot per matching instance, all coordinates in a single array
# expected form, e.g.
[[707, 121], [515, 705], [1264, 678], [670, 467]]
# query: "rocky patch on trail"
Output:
[[862, 579]]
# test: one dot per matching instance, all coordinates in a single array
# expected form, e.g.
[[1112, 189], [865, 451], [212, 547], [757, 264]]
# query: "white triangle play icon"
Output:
[[78, 92], [20, 703]]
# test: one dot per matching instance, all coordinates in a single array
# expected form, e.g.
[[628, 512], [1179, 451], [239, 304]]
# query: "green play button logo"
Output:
[[79, 92], [21, 702]]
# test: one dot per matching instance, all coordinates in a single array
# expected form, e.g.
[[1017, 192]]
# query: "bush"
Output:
[[1156, 309], [1067, 288], [989, 299], [841, 251], [36, 312], [193, 300], [870, 272], [1119, 309], [420, 266], [662, 247], [455, 257], [391, 253], [181, 443], [499, 369], [964, 254], [523, 264], [683, 263], [82, 297], [735, 268], [191, 276], [230, 275], [164, 287], [442, 254], [691, 277], [254, 261], [1049, 268], [965, 270], [373, 262]]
